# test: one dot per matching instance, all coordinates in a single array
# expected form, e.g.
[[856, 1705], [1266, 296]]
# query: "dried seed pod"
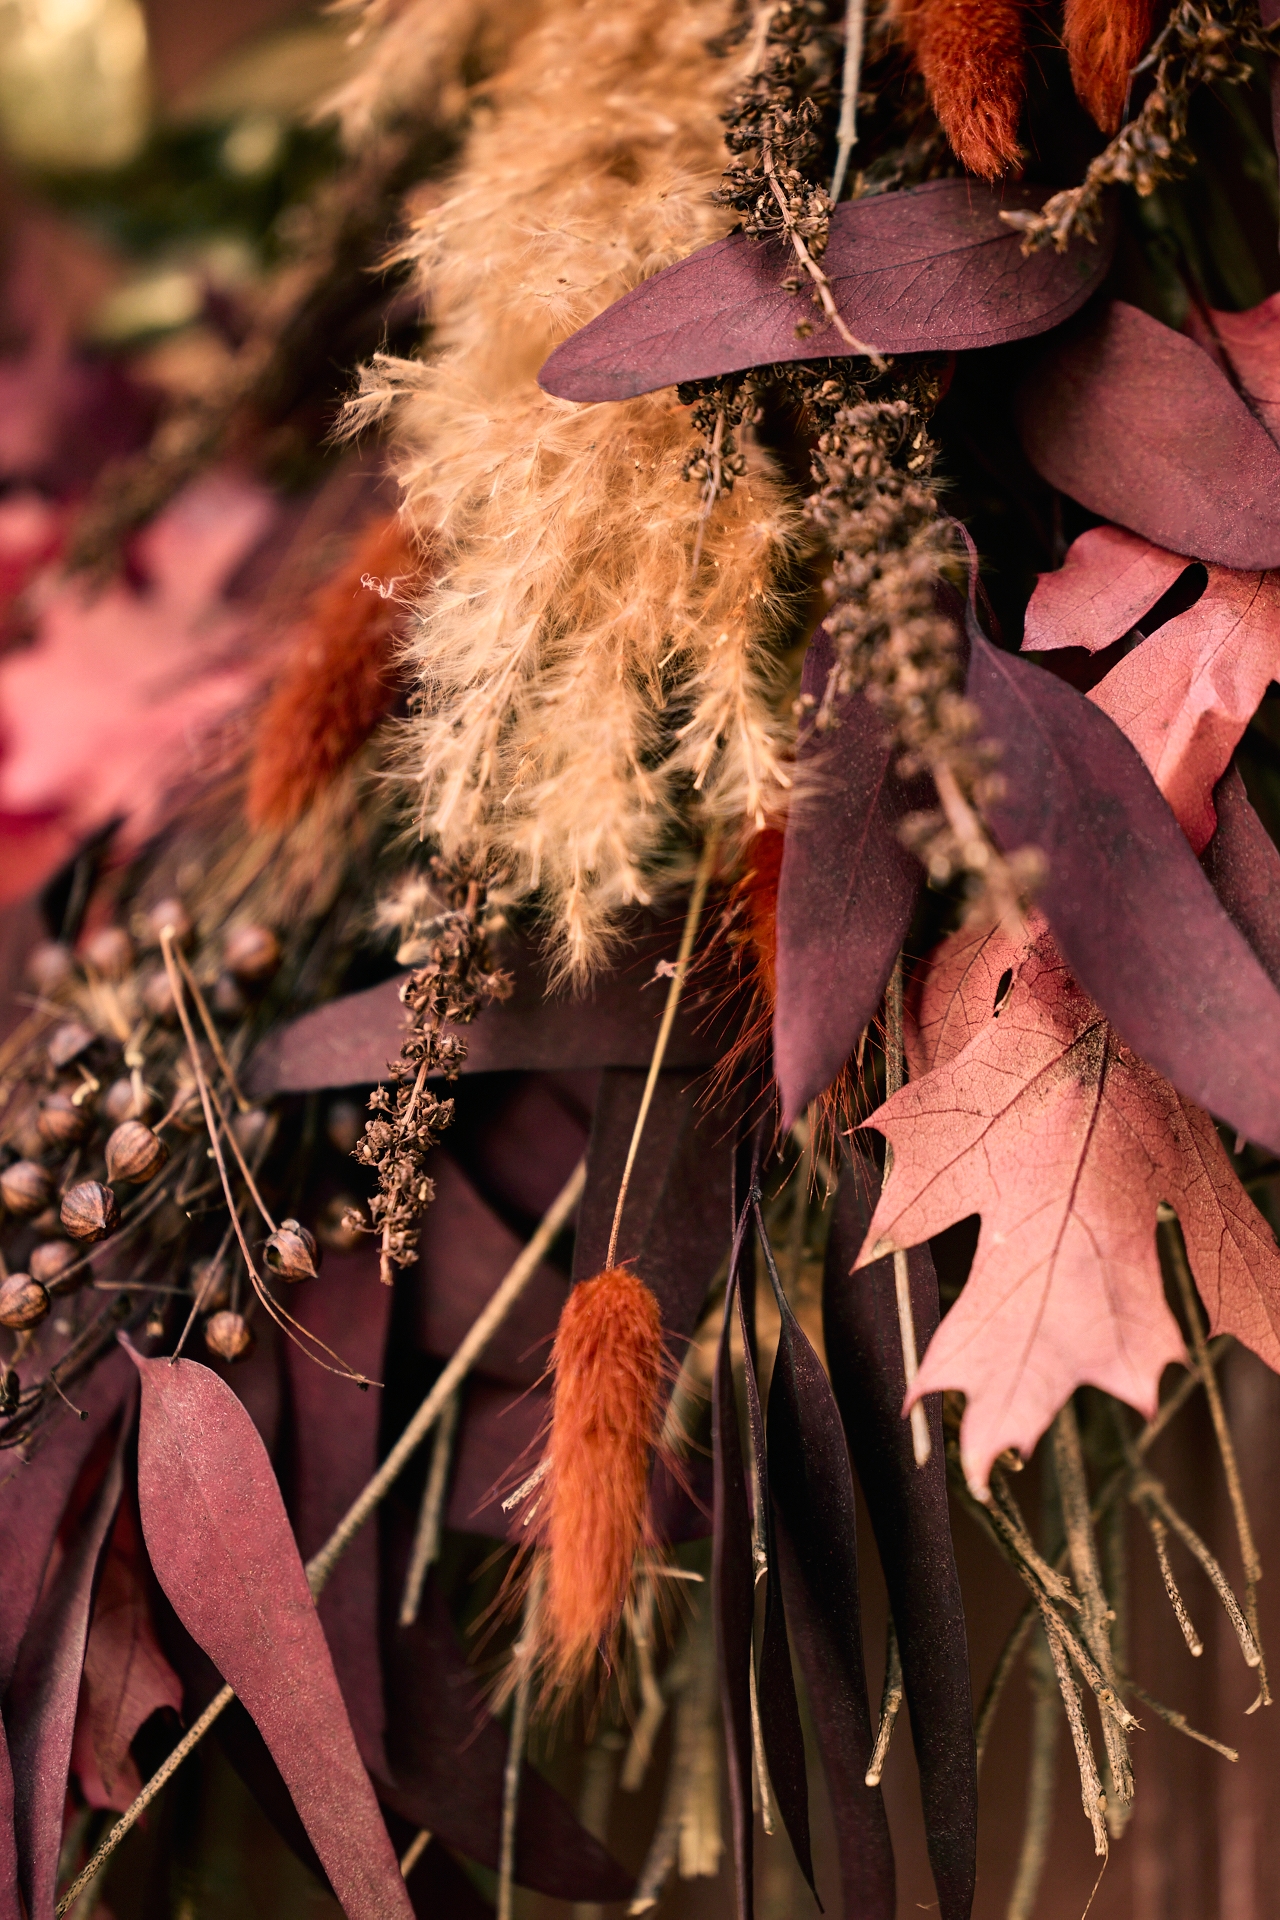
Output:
[[292, 1252], [254, 1130], [25, 1188], [339, 1227], [61, 1122], [344, 1123], [109, 952], [227, 1336], [67, 1042], [89, 1211], [188, 1115], [251, 955], [170, 915], [23, 1302], [210, 1286], [49, 966], [50, 1262], [135, 1153], [121, 1102], [157, 998], [229, 999]]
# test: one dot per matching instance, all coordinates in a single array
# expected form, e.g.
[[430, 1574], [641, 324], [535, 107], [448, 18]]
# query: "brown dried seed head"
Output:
[[25, 1188], [121, 1102], [50, 1261], [292, 1252], [89, 1211], [157, 998], [109, 952], [340, 1225], [49, 966], [254, 1130], [169, 914], [252, 955], [68, 1042], [230, 1002], [210, 1285], [23, 1302], [60, 1122], [135, 1153], [227, 1336]]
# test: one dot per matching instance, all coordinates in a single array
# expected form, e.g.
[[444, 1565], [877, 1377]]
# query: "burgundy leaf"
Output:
[[1243, 864], [335, 1451], [1132, 911], [908, 1506], [846, 894], [1139, 424], [223, 1551], [811, 1487], [733, 1597], [126, 1676], [40, 1705], [932, 269], [449, 1755], [349, 1041]]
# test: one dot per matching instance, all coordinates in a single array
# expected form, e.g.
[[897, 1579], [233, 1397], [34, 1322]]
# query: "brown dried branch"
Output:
[[890, 1706], [1073, 1493]]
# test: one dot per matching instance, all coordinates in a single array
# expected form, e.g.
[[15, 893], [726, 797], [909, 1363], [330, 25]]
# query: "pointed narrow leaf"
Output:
[[931, 269], [40, 1706], [222, 1549], [811, 1486], [908, 1506], [1132, 911], [846, 894], [1243, 864], [733, 1595], [1137, 423]]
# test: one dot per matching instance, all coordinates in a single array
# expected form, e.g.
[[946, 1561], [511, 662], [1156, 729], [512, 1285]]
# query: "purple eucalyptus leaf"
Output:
[[847, 890], [733, 1600], [1136, 919], [334, 1453], [1137, 423], [811, 1487], [40, 1705], [908, 1506], [931, 269], [1243, 864]]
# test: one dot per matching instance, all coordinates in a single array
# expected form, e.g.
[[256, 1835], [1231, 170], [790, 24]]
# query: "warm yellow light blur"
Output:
[[73, 81]]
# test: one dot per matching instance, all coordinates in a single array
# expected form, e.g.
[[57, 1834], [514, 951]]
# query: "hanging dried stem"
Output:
[[1073, 1492], [1045, 1721], [895, 1063], [1201, 43], [1092, 1798], [891, 1699], [426, 1542], [1159, 1537], [524, 1657]]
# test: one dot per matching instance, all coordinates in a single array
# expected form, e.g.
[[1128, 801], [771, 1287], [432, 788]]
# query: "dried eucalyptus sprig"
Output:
[[446, 989], [1198, 44]]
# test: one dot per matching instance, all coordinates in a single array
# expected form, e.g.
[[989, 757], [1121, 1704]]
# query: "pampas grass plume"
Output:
[[1104, 40], [606, 1368], [972, 54]]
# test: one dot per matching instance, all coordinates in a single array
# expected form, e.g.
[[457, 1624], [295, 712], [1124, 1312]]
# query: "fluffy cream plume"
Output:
[[578, 681]]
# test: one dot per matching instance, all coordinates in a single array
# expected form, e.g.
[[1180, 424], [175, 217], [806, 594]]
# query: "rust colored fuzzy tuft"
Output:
[[337, 684], [1104, 40], [972, 54], [606, 1368]]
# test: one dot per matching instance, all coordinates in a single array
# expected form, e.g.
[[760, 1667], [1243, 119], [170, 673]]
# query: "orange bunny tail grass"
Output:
[[606, 1370], [1104, 41], [338, 683], [749, 928], [972, 54]]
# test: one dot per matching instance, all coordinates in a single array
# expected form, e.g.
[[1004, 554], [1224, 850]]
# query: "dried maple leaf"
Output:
[[1187, 692], [1033, 1113]]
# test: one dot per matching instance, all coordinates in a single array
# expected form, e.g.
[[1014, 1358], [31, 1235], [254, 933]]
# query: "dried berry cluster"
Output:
[[446, 990], [1201, 43], [876, 506], [777, 120]]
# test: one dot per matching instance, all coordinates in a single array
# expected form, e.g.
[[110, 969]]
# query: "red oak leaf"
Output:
[[126, 1677], [1187, 692], [1037, 1116]]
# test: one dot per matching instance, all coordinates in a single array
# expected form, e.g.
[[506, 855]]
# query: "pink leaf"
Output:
[[222, 1549], [1064, 1141], [1108, 580]]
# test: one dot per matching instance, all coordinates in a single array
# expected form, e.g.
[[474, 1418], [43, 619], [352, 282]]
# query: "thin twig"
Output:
[[525, 1653], [1159, 1537], [822, 285], [706, 866], [890, 1706], [1179, 1721], [426, 1544], [855, 21], [1091, 1795], [895, 1073], [414, 1851], [1040, 1785], [206, 1021], [1095, 1614], [653, 1701]]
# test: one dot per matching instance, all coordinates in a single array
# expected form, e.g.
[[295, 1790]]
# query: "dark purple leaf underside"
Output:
[[733, 1598], [932, 269], [223, 1550], [335, 1451], [449, 1754], [1138, 424], [846, 894], [908, 1507], [1137, 920], [40, 1706], [780, 1729], [1243, 864], [811, 1487]]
